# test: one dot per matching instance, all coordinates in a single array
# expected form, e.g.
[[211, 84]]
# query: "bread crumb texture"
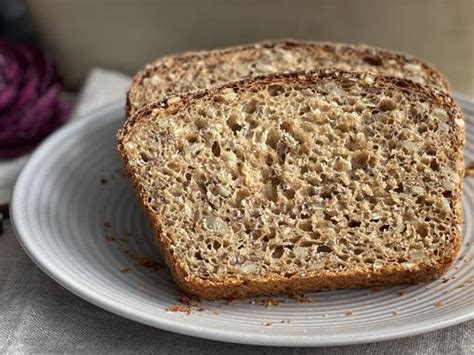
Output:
[[337, 178], [196, 71]]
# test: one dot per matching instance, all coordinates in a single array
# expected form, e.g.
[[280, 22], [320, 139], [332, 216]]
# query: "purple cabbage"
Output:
[[30, 106]]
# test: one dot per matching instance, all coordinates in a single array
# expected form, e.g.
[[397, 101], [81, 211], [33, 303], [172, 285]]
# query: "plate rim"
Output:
[[116, 108]]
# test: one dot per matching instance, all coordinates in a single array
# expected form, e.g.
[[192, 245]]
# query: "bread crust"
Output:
[[240, 287], [362, 51]]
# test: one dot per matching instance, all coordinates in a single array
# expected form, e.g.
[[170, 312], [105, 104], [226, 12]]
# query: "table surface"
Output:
[[10, 250]]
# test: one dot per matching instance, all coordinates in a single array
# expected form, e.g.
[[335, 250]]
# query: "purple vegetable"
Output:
[[30, 107]]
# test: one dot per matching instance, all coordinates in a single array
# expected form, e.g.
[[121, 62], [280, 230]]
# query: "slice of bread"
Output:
[[299, 182], [202, 70]]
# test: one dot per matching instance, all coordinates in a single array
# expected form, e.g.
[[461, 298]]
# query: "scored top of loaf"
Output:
[[297, 182], [200, 70]]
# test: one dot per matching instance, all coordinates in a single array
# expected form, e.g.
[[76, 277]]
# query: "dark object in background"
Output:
[[16, 26], [30, 106], [30, 86], [14, 22], [4, 213]]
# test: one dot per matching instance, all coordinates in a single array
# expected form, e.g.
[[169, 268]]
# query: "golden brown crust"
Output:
[[274, 284], [360, 51]]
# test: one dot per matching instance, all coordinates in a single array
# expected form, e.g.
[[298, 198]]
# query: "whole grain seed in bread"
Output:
[[297, 182], [201, 70]]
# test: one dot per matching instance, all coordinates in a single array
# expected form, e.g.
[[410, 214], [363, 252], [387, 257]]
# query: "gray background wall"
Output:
[[125, 34]]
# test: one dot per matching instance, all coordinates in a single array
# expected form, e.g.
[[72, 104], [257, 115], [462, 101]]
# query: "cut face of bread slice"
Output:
[[300, 182], [196, 71]]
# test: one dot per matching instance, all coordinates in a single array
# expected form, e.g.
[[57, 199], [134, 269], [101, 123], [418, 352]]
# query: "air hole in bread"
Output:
[[422, 129], [431, 150], [274, 90], [269, 160], [200, 123], [270, 235], [256, 234], [373, 60], [289, 193], [358, 251], [384, 227], [344, 257], [192, 138], [216, 149], [252, 124], [399, 188], [354, 223], [305, 225], [240, 154], [422, 229], [174, 166], [233, 123], [447, 194], [304, 169], [326, 193], [304, 109], [305, 215], [434, 165], [198, 255], [386, 104], [251, 106], [359, 159], [276, 180], [273, 137], [307, 243], [249, 227], [324, 249], [278, 252]]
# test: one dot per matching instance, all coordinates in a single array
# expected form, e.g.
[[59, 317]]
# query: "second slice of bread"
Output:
[[300, 182], [190, 72]]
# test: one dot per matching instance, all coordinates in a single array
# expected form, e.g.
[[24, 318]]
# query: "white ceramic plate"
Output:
[[71, 200]]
